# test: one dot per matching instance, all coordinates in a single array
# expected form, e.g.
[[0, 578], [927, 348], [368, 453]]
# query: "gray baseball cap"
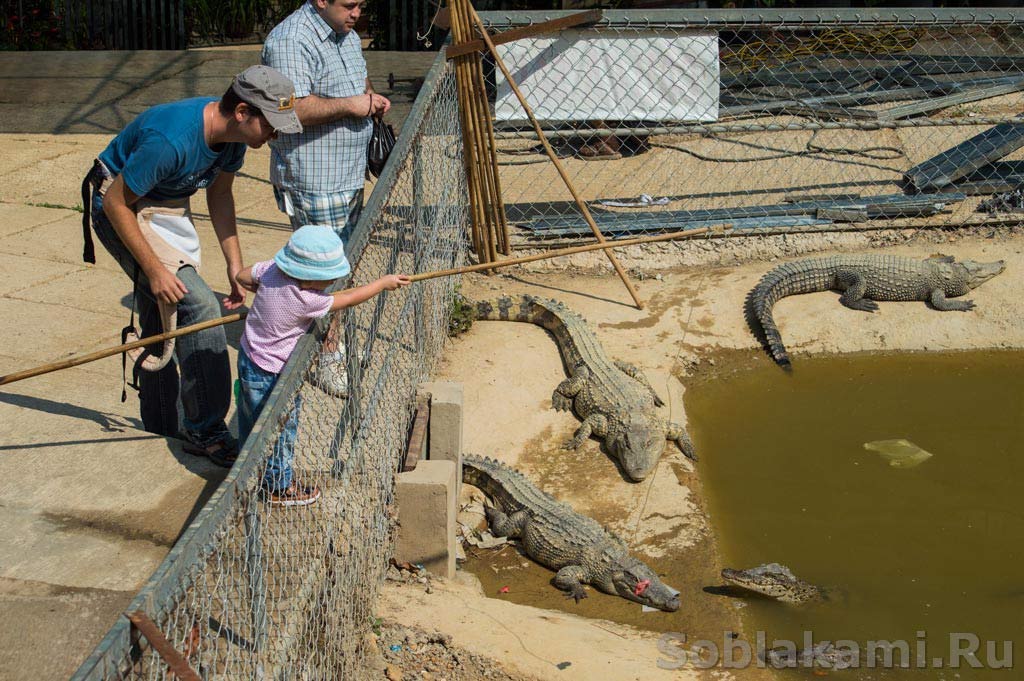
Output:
[[272, 93]]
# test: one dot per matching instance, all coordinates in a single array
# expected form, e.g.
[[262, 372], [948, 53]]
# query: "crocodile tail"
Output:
[[793, 278], [491, 477], [523, 308], [574, 339]]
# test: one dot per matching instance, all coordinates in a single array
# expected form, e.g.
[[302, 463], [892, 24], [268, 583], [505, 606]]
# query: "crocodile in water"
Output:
[[774, 581], [863, 280], [557, 537], [614, 400]]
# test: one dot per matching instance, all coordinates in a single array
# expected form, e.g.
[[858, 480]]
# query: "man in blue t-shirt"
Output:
[[142, 183]]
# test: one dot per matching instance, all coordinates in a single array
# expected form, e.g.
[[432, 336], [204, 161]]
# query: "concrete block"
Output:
[[445, 431], [427, 503]]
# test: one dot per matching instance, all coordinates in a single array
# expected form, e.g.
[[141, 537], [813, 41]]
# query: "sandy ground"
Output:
[[693, 319]]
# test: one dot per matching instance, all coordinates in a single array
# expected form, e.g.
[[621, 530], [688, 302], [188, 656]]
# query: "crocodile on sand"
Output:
[[559, 538], [614, 400], [774, 581], [865, 279]]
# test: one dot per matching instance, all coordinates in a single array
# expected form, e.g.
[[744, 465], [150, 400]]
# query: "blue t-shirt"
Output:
[[163, 154]]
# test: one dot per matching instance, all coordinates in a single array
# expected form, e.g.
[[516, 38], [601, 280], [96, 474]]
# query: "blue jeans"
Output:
[[195, 405], [257, 383]]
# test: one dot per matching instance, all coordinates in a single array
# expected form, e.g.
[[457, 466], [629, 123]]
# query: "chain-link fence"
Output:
[[666, 120], [254, 591], [799, 120]]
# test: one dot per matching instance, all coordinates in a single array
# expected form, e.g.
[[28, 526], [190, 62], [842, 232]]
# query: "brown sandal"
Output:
[[222, 453]]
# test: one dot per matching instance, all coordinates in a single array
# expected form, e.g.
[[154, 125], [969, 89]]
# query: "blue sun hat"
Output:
[[314, 253]]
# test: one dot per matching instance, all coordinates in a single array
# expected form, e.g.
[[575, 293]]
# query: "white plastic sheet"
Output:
[[580, 75]]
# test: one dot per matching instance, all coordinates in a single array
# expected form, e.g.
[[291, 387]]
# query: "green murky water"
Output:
[[913, 554]]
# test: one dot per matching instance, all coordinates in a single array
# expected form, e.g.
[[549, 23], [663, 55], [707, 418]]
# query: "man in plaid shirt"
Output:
[[318, 174]]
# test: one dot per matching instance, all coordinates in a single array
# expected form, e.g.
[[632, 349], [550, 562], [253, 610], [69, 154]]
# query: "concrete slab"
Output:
[[58, 241], [427, 500], [41, 339], [99, 92], [42, 169], [18, 217], [24, 274], [47, 630]]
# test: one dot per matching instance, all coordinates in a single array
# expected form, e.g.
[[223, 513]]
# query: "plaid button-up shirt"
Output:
[[324, 158]]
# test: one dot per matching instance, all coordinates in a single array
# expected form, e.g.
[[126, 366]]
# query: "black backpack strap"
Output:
[[88, 250], [134, 384]]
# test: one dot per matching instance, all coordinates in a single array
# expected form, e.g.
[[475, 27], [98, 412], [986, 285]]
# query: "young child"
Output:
[[289, 296]]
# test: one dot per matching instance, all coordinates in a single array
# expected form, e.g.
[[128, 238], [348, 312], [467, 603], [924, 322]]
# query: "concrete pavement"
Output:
[[89, 503]]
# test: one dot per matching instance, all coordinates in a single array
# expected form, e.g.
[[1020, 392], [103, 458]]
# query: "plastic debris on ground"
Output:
[[472, 523], [647, 608], [639, 202], [899, 453], [1007, 202]]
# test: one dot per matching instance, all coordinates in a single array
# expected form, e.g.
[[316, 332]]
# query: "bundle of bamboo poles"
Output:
[[487, 210]]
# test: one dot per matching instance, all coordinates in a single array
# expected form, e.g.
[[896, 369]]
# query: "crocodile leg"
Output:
[[570, 580], [939, 302], [502, 525], [853, 295], [676, 433], [595, 424], [632, 371], [561, 399]]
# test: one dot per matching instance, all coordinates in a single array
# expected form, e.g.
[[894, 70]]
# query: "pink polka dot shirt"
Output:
[[279, 315]]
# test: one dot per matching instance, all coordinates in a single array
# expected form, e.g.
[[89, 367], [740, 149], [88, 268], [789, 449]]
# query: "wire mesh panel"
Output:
[[255, 590], [795, 120]]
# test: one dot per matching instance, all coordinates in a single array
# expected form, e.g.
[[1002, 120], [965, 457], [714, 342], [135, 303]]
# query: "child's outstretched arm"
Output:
[[245, 280], [354, 296]]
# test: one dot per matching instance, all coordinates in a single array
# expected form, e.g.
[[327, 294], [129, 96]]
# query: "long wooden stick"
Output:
[[238, 316], [551, 154]]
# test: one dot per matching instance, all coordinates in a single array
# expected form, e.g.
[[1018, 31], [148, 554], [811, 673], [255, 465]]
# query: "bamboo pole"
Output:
[[472, 178], [501, 221], [481, 114], [554, 158], [461, 23], [490, 162], [238, 316]]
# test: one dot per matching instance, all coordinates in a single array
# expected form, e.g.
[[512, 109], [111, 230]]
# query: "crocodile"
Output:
[[823, 655], [559, 538], [614, 400], [863, 280], [774, 581]]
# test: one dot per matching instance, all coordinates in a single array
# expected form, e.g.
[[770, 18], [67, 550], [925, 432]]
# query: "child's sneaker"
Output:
[[330, 374], [294, 495]]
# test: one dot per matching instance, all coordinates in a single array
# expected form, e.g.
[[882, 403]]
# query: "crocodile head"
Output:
[[639, 447], [773, 580], [980, 272], [634, 581]]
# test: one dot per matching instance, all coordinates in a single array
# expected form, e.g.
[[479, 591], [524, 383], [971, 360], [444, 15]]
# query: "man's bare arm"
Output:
[[316, 110], [117, 204], [221, 201]]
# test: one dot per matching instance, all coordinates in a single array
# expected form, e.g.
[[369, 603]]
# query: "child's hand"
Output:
[[393, 281]]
